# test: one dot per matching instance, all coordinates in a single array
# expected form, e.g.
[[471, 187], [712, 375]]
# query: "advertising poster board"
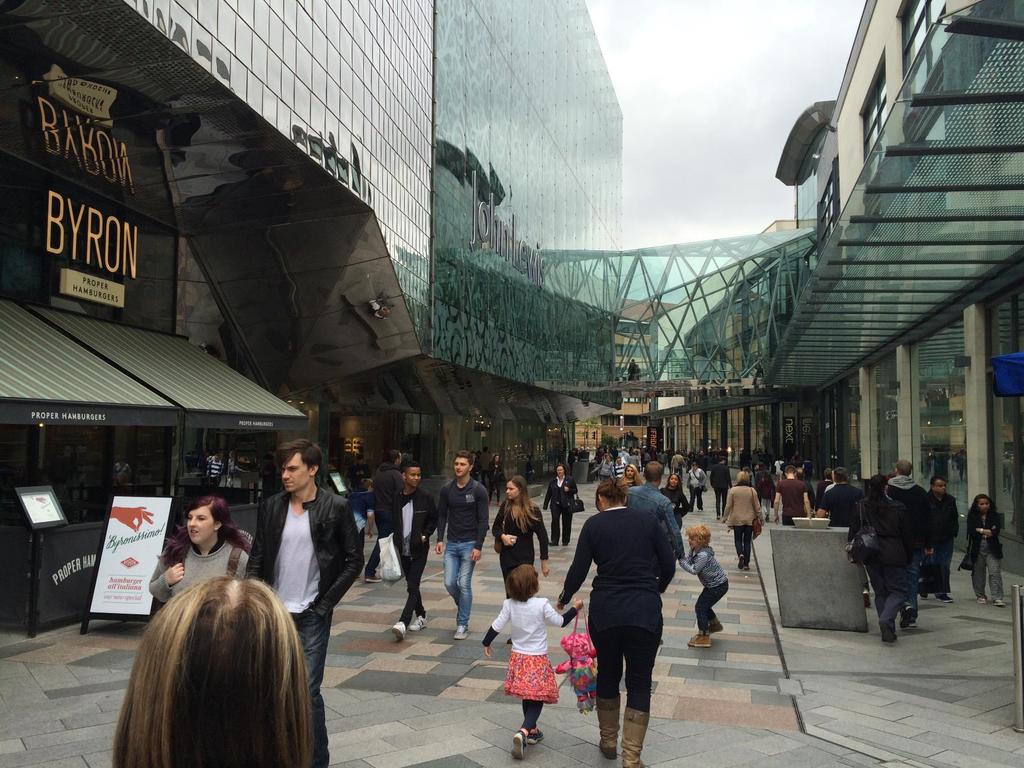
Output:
[[133, 538], [41, 507]]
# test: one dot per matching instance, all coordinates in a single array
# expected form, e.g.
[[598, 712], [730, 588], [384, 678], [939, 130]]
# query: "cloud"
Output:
[[709, 92]]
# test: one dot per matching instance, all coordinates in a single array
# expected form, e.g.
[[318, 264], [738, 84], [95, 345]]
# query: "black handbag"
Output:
[[929, 580], [576, 505], [864, 546], [967, 564]]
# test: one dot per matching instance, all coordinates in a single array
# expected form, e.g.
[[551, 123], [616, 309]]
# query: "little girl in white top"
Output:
[[530, 676]]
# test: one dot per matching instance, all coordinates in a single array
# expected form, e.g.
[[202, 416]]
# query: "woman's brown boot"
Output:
[[608, 723], [634, 729]]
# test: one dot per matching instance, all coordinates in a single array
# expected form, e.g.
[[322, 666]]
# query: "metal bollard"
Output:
[[1018, 657]]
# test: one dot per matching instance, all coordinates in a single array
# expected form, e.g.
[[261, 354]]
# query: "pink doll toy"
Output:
[[581, 666]]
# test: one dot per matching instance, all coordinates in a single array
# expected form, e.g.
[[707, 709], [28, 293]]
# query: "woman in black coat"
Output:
[[984, 548], [517, 522], [675, 493], [888, 569], [561, 492]]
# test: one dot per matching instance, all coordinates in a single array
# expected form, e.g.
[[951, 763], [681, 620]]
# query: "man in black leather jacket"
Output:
[[308, 550]]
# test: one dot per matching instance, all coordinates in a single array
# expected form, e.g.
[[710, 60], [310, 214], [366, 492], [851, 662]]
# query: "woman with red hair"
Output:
[[209, 544]]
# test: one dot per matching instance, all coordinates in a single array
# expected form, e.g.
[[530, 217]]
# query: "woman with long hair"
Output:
[[984, 548], [219, 680], [517, 522], [634, 567], [742, 508], [630, 478], [495, 478], [675, 493], [208, 544], [887, 570], [560, 494]]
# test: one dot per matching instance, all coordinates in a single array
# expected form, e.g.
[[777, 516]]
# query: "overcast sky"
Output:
[[709, 92]]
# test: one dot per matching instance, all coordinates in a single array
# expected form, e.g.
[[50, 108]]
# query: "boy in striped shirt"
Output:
[[701, 563]]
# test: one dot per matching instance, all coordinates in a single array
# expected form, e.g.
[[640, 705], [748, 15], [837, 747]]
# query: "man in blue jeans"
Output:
[[462, 514], [308, 550]]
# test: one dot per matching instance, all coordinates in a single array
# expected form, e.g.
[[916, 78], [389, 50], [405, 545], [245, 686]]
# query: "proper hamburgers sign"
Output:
[[133, 539]]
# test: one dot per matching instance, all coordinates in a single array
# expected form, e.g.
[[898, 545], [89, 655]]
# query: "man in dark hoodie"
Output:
[[903, 489], [387, 489]]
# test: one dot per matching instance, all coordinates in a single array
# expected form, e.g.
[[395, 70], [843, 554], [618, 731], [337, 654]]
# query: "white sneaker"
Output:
[[418, 623], [461, 632], [399, 630], [998, 603]]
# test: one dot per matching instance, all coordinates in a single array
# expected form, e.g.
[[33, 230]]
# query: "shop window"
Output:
[[942, 430]]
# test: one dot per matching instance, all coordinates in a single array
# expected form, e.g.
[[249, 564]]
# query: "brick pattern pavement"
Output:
[[434, 701]]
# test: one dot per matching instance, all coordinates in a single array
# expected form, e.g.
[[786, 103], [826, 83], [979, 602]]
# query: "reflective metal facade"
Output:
[[528, 164], [349, 82]]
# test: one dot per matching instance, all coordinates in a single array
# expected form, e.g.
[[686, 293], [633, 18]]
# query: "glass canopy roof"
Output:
[[936, 219]]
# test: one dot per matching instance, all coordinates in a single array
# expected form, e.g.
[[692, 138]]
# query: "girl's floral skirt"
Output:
[[531, 677]]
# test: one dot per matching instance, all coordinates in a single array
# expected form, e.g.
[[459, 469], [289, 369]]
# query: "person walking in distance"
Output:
[[765, 485], [697, 479], [560, 494], [462, 516], [495, 478], [414, 525], [387, 485], [903, 489], [945, 524], [307, 549], [887, 569], [984, 548], [721, 482], [791, 498]]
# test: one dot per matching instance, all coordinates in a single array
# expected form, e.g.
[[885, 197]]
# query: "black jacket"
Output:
[[387, 487], [919, 514], [945, 520], [424, 521], [890, 522], [522, 551], [680, 504], [560, 497], [993, 522], [337, 544], [720, 475]]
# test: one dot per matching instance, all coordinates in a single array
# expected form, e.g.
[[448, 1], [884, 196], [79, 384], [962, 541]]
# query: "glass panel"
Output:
[[849, 425], [940, 395], [886, 424], [1007, 427]]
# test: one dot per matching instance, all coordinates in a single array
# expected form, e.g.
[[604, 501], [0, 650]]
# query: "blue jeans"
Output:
[[384, 528], [458, 577], [913, 575], [705, 605], [314, 633]]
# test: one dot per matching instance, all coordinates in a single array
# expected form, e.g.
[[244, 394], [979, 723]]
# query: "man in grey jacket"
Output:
[[903, 489], [650, 498]]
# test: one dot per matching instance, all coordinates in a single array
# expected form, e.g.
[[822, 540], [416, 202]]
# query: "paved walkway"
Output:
[[433, 701]]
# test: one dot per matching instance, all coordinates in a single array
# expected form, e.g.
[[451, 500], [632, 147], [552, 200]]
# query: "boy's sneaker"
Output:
[[908, 618], [519, 744], [944, 598], [461, 632], [535, 736], [371, 579], [983, 600], [715, 626], [399, 630], [998, 603], [418, 623], [700, 641]]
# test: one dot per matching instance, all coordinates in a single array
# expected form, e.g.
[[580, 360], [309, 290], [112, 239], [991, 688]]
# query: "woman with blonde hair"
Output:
[[219, 681], [742, 509], [517, 522], [630, 478]]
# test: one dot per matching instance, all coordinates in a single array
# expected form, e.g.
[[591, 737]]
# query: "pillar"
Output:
[[866, 424], [978, 432], [907, 411]]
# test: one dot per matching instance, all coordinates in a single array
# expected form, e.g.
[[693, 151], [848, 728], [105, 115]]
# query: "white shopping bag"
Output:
[[390, 565]]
